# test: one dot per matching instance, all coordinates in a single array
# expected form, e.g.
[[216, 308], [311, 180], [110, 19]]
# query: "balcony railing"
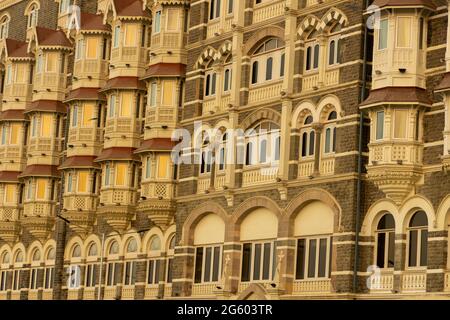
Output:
[[305, 168], [94, 68], [41, 208], [33, 294], [314, 81], [47, 294], [72, 294], [209, 106], [392, 151], [15, 295], [264, 93], [414, 281], [203, 289], [157, 189], [77, 135], [383, 282], [203, 184], [168, 290], [128, 293], [53, 81], [244, 285], [268, 10], [114, 196], [80, 202], [3, 295], [151, 292], [110, 293], [212, 28], [311, 286], [10, 213], [129, 55], [253, 176], [89, 294], [17, 90], [327, 166]]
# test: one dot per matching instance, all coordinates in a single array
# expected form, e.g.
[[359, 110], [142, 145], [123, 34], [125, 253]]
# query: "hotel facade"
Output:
[[224, 149]]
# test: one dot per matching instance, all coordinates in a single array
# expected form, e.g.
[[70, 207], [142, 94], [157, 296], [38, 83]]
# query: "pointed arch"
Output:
[[208, 54], [261, 114], [332, 17], [308, 24], [110, 12]]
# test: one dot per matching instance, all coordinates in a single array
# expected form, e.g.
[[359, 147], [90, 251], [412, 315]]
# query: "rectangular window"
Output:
[[172, 20], [112, 106], [48, 278], [313, 258], [91, 275], [107, 174], [52, 62], [41, 189], [46, 125], [4, 134], [153, 271], [258, 261], [207, 264], [383, 34], [33, 279], [88, 114], [79, 49], [130, 273], [404, 32], [126, 104], [400, 123], [230, 7], [39, 64], [121, 172], [82, 181], [116, 36], [75, 116], [380, 125], [21, 73], [15, 129], [3, 280], [131, 31], [168, 92], [92, 48], [148, 167], [10, 190], [163, 166], [9, 74], [157, 22], [69, 182], [153, 88]]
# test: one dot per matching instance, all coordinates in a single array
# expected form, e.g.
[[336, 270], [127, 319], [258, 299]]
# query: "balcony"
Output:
[[91, 137], [89, 293], [168, 290], [96, 69], [305, 168], [135, 57], [151, 292], [213, 28], [15, 295], [51, 86], [209, 106], [268, 10], [3, 295], [9, 223], [382, 283], [263, 93], [33, 294], [51, 147], [203, 183], [327, 166], [255, 176], [21, 91], [117, 207], [203, 289], [157, 202], [116, 196], [81, 210], [312, 286], [47, 294], [128, 293], [110, 293], [13, 157], [119, 132], [38, 218], [315, 80], [395, 167], [414, 281]]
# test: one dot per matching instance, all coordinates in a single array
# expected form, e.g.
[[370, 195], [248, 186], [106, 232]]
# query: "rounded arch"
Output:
[[254, 203], [30, 6], [208, 54], [305, 198], [442, 214], [76, 240], [329, 19], [18, 249], [196, 215], [260, 36], [304, 109], [308, 24], [6, 250], [36, 245], [146, 241], [326, 105], [113, 238], [49, 245], [374, 213], [261, 114], [414, 204], [127, 239], [91, 239], [254, 291]]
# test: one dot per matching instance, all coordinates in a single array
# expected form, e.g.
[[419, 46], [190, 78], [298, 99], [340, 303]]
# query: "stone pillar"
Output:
[[141, 281], [317, 147], [437, 260], [58, 280], [183, 270], [400, 261], [286, 115]]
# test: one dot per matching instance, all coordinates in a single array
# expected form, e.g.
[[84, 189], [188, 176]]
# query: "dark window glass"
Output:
[[277, 148], [304, 144], [269, 66], [300, 270], [208, 80], [381, 245], [423, 247], [419, 219], [215, 275], [322, 257], [386, 222], [266, 261], [331, 53], [263, 152], [248, 155], [413, 248], [157, 266], [308, 58], [169, 270], [257, 262], [246, 262], [311, 143], [282, 65], [198, 265], [255, 72], [207, 274], [213, 84], [391, 250], [312, 258], [316, 56]]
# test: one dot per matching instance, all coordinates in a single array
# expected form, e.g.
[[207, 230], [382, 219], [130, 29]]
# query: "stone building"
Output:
[[224, 149]]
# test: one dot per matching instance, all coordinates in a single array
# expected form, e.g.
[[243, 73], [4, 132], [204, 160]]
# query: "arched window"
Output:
[[206, 156], [35, 263], [418, 240], [312, 50], [16, 276], [210, 81], [4, 273], [49, 271], [154, 262], [129, 278], [330, 133], [262, 144], [92, 267], [268, 61], [4, 27], [33, 12], [385, 237], [227, 74], [169, 259], [307, 138], [76, 252], [222, 152], [112, 268], [334, 44]]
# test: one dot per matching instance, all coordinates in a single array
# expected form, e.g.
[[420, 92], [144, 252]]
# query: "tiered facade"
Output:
[[314, 151]]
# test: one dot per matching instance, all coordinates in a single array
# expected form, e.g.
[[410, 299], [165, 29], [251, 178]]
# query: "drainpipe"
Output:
[[360, 148]]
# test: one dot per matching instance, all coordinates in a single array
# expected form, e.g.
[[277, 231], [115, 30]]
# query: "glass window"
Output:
[[400, 123], [380, 125], [41, 188], [269, 66], [207, 264], [107, 174], [92, 48], [148, 167], [52, 62], [313, 258], [112, 106], [69, 182], [10, 190], [383, 34], [168, 92], [157, 22], [82, 181], [126, 104], [46, 125], [116, 36], [131, 31], [172, 20], [153, 268], [15, 130], [255, 72], [121, 171], [88, 114], [385, 250], [316, 56], [418, 238], [282, 65], [153, 94], [163, 166], [258, 261]]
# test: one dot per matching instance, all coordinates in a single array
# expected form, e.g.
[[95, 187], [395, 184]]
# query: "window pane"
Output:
[[82, 181], [88, 114], [207, 272], [150, 271], [52, 59], [157, 25], [15, 128], [263, 151], [269, 65], [304, 144], [400, 123], [163, 166], [198, 265], [282, 65], [116, 36], [46, 125], [41, 186], [404, 32], [300, 270], [10, 190], [168, 92], [381, 245], [331, 52], [423, 247], [327, 140], [312, 258], [266, 261], [308, 58], [246, 262], [380, 125], [216, 266], [311, 143], [126, 104], [391, 250], [255, 72], [131, 31], [257, 262], [121, 169], [157, 266], [383, 34], [92, 48], [323, 257], [172, 20], [413, 248], [316, 56]]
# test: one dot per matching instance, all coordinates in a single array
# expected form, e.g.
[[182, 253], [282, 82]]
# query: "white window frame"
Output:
[[252, 260], [211, 267], [316, 265]]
